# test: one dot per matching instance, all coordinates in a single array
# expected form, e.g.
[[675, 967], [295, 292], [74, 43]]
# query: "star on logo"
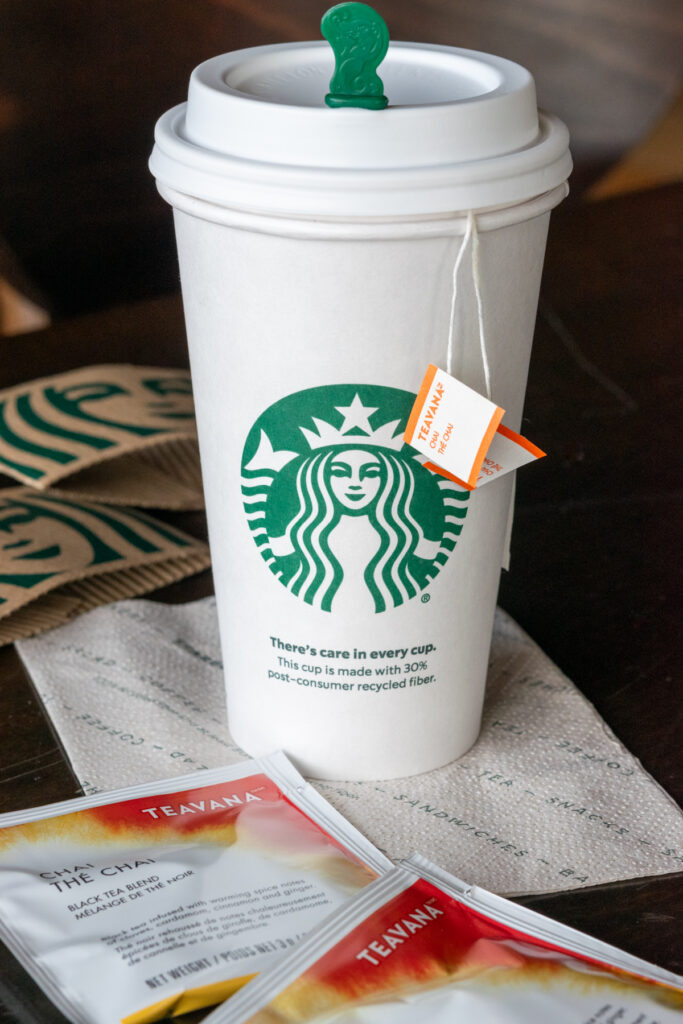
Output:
[[356, 415], [354, 430]]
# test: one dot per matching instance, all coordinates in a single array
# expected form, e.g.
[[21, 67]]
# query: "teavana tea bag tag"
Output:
[[359, 38], [460, 432]]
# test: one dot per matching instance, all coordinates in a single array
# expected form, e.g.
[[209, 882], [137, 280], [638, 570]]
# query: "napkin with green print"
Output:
[[116, 433], [59, 558]]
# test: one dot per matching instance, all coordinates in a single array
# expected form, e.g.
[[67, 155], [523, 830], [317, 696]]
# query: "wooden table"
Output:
[[594, 572]]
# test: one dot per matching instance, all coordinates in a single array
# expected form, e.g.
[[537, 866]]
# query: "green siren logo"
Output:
[[343, 512]]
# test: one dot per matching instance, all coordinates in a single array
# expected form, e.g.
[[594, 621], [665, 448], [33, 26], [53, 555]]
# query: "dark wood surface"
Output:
[[594, 576], [82, 83]]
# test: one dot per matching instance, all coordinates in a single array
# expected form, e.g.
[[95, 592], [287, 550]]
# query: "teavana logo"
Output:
[[430, 412], [199, 806], [399, 932]]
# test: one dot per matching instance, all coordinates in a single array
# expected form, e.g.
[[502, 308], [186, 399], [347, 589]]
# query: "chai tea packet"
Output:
[[421, 946], [166, 897], [116, 433], [59, 558]]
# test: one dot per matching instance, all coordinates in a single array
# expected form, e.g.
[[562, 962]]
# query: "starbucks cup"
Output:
[[355, 589]]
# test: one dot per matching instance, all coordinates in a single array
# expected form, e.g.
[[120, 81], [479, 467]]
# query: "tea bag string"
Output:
[[471, 236]]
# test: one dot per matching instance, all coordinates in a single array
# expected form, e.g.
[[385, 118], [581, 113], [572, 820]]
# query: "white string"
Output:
[[470, 234], [480, 308], [456, 268]]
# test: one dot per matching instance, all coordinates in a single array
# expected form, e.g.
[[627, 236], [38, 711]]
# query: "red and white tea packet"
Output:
[[164, 897], [421, 946]]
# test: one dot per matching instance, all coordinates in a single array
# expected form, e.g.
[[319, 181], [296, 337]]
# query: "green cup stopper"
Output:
[[360, 39]]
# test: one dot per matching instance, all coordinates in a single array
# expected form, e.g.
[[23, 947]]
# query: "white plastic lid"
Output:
[[461, 132]]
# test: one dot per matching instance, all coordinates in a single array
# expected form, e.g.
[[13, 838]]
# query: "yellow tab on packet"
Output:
[[117, 433], [59, 558]]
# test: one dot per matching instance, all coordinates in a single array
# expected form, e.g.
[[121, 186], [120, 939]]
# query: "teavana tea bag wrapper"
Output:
[[116, 433], [166, 897], [419, 946], [59, 558], [317, 249]]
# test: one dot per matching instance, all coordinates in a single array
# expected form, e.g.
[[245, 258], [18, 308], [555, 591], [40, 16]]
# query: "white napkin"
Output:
[[548, 799]]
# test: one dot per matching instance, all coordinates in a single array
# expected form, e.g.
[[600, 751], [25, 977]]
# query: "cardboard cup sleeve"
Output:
[[59, 558], [117, 433]]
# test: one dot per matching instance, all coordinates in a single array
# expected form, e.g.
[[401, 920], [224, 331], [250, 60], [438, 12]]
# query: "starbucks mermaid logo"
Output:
[[342, 511]]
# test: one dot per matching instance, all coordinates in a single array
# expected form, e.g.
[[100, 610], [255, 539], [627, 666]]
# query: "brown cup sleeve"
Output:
[[116, 433], [60, 557]]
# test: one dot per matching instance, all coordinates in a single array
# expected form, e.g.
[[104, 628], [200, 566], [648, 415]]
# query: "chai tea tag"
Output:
[[460, 432]]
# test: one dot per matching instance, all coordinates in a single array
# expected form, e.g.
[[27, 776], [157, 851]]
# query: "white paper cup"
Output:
[[355, 590]]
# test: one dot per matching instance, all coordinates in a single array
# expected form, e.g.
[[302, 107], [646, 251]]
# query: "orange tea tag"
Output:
[[460, 432]]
